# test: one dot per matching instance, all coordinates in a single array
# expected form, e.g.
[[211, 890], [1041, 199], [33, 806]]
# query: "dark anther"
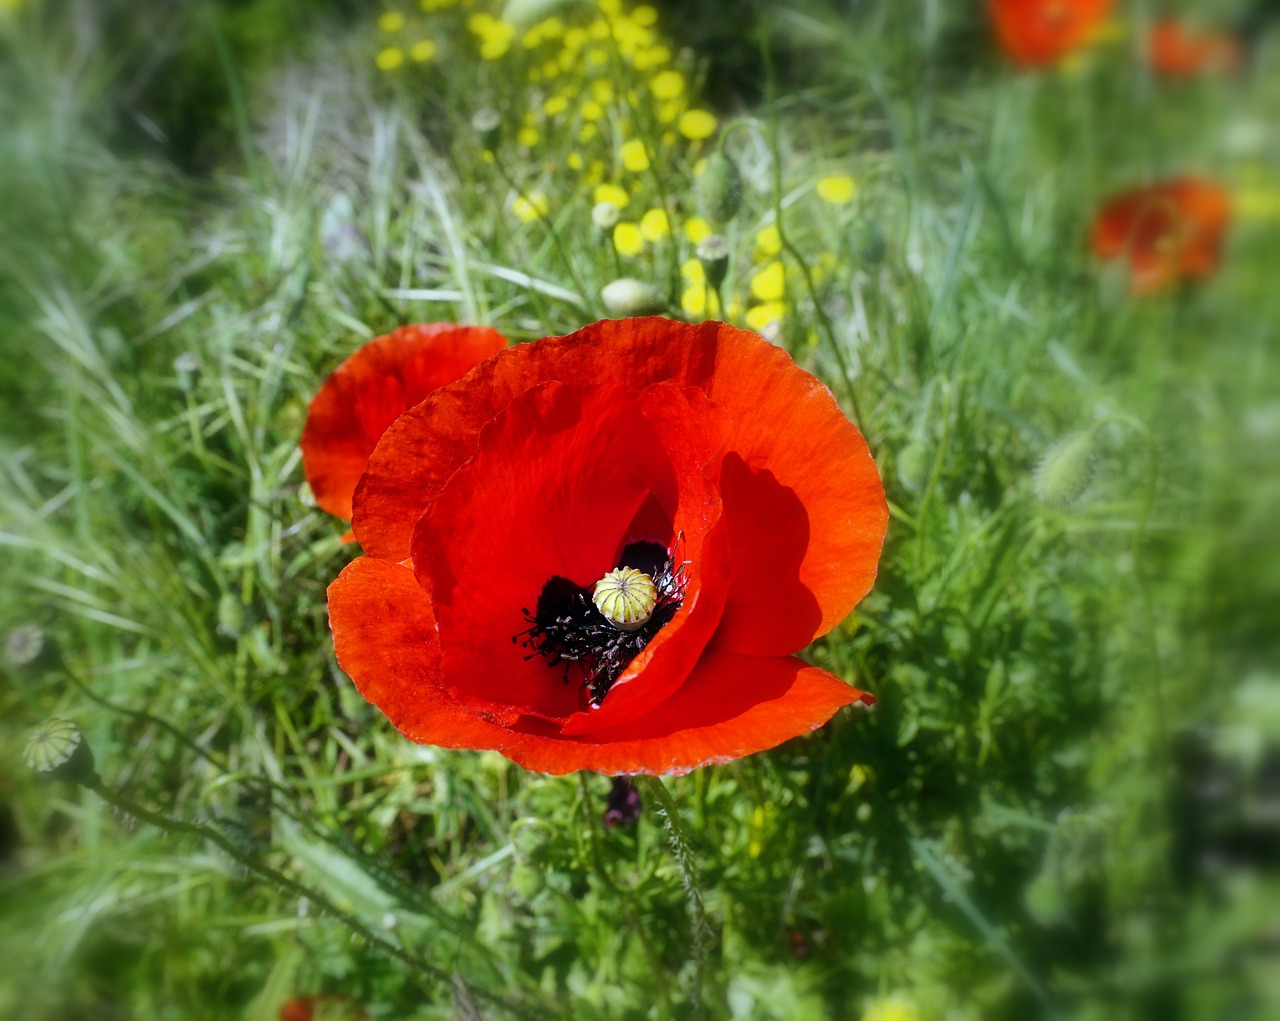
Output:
[[566, 628]]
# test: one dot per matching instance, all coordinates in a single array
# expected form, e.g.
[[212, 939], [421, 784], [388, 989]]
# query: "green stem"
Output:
[[655, 791], [824, 321], [169, 824], [597, 860]]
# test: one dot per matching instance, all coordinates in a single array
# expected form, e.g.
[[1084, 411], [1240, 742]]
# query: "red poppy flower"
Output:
[[371, 389], [601, 551], [332, 1007], [1177, 50], [1037, 32], [1167, 232]]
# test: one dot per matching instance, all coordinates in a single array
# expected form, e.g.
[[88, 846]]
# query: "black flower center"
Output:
[[567, 629]]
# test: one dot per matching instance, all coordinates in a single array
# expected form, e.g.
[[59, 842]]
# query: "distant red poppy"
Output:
[[1167, 232], [371, 389], [1177, 50], [514, 520], [1037, 32], [330, 1007]]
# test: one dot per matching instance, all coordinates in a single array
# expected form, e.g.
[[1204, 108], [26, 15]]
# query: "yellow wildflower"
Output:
[[696, 229], [770, 282], [592, 111], [611, 193], [693, 300], [527, 136], [891, 1008], [634, 156], [1257, 203], [494, 48], [667, 85], [696, 125], [391, 21], [693, 271], [531, 206], [389, 59], [627, 238], [768, 241], [838, 190], [555, 106], [644, 15], [602, 90], [422, 51], [574, 161], [587, 132], [655, 225], [610, 7], [761, 317]]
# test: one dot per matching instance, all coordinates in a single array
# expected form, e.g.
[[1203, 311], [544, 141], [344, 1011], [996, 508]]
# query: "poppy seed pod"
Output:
[[713, 253], [487, 124], [628, 296], [720, 188], [57, 750], [605, 216], [28, 648]]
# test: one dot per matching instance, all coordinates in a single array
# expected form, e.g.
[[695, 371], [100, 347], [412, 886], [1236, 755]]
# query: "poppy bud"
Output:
[[527, 880], [720, 188], [230, 616], [713, 253], [488, 125], [625, 598], [628, 297], [605, 216], [186, 367], [871, 243], [57, 750], [913, 466], [1065, 470]]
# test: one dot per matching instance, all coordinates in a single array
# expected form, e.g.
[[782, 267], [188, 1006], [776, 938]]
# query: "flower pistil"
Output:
[[603, 628]]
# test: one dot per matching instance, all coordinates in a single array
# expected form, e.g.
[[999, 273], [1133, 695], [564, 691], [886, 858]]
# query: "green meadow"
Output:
[[1066, 802]]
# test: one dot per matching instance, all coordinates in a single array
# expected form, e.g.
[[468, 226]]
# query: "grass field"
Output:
[[1064, 803]]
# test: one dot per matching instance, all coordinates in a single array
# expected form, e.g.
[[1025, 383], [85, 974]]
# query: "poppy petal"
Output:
[[557, 480], [801, 452], [371, 389], [1166, 231], [1038, 32], [730, 706]]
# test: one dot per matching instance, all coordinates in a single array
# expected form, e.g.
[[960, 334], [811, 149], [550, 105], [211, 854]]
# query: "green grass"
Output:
[[1019, 829]]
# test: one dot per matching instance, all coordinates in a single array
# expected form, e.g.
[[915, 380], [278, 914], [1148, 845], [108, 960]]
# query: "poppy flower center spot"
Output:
[[602, 629]]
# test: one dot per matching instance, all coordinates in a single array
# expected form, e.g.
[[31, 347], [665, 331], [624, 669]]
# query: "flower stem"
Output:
[[597, 859], [653, 789], [169, 824]]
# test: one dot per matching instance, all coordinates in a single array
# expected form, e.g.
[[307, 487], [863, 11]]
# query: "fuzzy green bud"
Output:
[[628, 296], [720, 188], [871, 244], [186, 369], [527, 880], [1065, 470], [913, 466], [230, 615]]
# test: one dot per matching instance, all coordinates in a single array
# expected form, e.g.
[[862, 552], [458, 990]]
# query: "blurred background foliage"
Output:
[[1065, 804]]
